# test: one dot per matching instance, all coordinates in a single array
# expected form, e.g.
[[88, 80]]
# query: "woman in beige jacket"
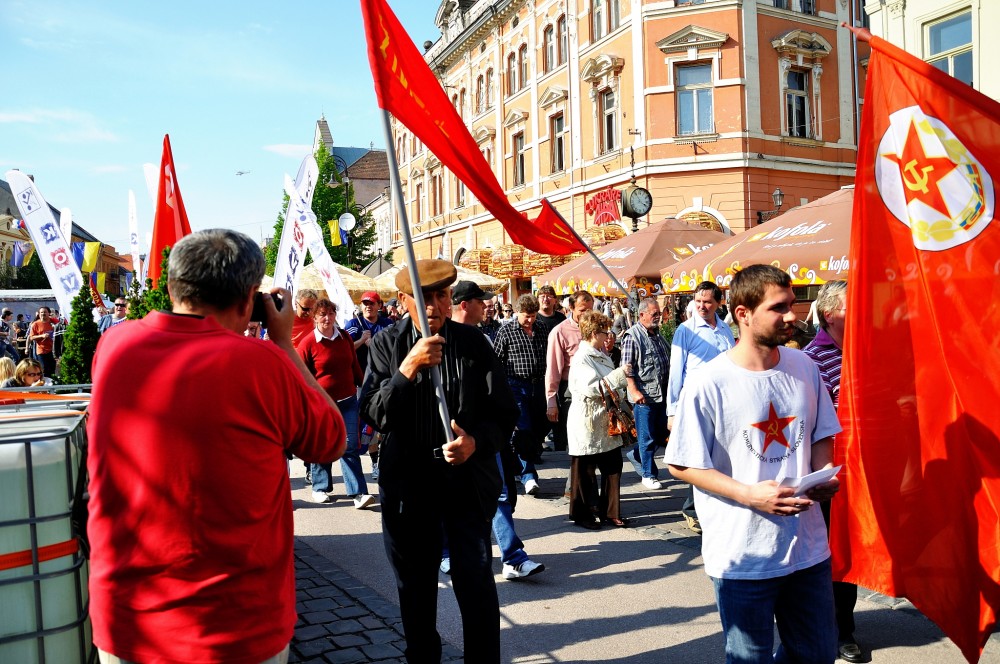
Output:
[[591, 449]]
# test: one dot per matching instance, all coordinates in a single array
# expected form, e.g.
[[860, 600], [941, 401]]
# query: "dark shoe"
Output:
[[850, 651], [589, 525], [618, 523]]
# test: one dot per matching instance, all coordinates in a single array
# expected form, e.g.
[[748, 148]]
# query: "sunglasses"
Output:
[[32, 373], [119, 305], [305, 309]]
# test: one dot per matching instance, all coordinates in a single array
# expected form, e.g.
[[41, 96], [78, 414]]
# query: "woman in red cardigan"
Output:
[[329, 355]]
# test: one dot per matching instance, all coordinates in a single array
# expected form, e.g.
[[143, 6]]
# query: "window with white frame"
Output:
[[459, 193], [512, 74], [548, 49], [437, 195], [522, 66], [480, 94], [418, 203], [605, 17], [694, 99], [490, 89], [608, 121], [563, 37], [797, 103], [462, 102], [802, 6], [949, 45], [557, 141], [517, 154]]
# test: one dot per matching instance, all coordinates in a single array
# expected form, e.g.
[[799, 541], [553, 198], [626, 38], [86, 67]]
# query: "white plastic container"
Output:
[[43, 612]]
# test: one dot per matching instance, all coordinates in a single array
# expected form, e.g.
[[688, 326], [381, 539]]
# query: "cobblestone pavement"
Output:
[[342, 621]]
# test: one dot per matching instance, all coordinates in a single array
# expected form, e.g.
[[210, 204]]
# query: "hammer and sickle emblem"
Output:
[[918, 177], [772, 429]]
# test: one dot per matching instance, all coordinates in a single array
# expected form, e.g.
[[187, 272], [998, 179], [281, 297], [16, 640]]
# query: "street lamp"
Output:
[[777, 197], [347, 222]]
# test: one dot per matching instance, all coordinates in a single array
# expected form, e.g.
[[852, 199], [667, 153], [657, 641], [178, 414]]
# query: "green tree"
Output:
[[32, 275], [152, 299], [79, 341], [329, 202]]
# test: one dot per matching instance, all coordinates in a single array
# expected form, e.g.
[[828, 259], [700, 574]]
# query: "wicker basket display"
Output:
[[507, 262], [478, 260], [598, 236]]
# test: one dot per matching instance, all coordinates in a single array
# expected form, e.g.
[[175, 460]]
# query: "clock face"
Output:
[[640, 201]]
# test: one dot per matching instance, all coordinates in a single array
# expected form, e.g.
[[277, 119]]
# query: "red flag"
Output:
[[919, 516], [171, 221], [406, 88]]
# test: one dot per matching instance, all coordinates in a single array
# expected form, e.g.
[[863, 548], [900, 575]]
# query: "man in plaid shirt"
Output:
[[521, 348]]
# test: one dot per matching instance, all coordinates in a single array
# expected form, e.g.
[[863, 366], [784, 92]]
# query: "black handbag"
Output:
[[621, 422]]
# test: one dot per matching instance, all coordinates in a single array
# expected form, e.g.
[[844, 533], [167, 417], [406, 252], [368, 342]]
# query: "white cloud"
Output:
[[62, 125], [290, 149]]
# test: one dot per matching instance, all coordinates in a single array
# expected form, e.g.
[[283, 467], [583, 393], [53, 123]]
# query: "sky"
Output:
[[93, 87]]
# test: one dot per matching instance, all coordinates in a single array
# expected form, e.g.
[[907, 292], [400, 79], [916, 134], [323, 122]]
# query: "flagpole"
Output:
[[604, 267], [411, 265]]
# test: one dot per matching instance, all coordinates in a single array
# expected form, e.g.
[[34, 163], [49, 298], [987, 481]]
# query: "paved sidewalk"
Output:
[[631, 596]]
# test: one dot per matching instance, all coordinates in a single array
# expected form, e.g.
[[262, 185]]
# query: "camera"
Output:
[[259, 313]]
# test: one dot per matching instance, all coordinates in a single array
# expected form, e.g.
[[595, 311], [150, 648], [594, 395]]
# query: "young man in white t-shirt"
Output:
[[752, 416]]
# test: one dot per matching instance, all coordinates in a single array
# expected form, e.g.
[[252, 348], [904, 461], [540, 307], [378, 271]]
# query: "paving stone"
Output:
[[349, 656], [311, 632], [321, 604], [382, 651], [315, 647], [352, 612], [377, 636], [349, 640], [343, 627], [317, 617]]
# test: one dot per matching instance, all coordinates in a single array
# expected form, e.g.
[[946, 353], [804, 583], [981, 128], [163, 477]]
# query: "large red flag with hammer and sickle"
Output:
[[171, 222], [919, 515], [406, 87]]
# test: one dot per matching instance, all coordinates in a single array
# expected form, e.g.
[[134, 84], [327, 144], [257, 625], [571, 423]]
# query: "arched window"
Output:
[[480, 95], [461, 103], [522, 65], [563, 36], [490, 88], [512, 74]]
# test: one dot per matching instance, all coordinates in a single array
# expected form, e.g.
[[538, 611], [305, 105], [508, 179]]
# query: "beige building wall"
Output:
[[617, 85]]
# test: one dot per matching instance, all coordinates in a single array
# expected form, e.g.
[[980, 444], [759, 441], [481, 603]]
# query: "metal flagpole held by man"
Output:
[[411, 266], [631, 298]]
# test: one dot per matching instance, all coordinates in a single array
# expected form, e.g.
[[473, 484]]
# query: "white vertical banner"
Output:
[[53, 249], [145, 264], [327, 269], [66, 225], [152, 174], [133, 240], [292, 246]]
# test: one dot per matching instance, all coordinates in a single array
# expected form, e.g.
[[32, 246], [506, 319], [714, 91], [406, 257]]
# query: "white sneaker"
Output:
[[363, 501], [651, 483], [527, 568], [548, 446], [531, 487], [320, 497]]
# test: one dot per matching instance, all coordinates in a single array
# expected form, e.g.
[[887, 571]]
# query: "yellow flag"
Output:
[[101, 281], [335, 233], [91, 252]]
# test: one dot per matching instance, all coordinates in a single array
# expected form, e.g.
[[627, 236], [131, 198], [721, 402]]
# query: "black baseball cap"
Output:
[[463, 291]]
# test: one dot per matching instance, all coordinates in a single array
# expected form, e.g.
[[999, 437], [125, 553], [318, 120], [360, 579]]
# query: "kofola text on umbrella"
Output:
[[781, 232]]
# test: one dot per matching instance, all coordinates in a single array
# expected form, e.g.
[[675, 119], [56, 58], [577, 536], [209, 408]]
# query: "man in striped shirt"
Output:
[[432, 488]]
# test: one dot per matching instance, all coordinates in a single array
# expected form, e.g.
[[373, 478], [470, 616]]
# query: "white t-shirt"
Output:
[[723, 419]]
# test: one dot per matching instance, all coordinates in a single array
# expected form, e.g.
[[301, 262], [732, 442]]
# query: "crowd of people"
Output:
[[513, 381]]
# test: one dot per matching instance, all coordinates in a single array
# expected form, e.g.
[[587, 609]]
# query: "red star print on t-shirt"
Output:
[[773, 428]]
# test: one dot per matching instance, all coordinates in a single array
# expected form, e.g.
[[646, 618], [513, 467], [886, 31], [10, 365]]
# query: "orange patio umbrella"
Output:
[[636, 260], [809, 242]]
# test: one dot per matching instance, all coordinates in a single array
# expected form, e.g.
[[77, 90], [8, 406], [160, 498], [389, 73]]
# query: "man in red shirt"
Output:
[[42, 334], [303, 325], [189, 564]]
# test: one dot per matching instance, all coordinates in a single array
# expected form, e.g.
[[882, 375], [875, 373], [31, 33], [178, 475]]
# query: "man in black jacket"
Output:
[[432, 488]]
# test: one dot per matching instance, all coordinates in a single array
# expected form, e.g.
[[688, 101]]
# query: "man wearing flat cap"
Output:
[[432, 488]]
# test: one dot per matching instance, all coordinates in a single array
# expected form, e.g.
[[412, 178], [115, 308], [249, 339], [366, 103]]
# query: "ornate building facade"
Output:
[[711, 105]]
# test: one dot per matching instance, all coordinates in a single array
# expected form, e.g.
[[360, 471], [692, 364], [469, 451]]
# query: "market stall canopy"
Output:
[[636, 260], [355, 282], [809, 242], [387, 280], [376, 267]]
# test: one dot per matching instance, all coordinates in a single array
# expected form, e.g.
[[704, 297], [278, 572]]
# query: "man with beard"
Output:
[[548, 315], [750, 417], [697, 340]]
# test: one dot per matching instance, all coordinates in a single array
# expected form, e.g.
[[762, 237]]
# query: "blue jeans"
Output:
[[651, 431], [532, 425], [511, 546], [350, 463], [800, 603]]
